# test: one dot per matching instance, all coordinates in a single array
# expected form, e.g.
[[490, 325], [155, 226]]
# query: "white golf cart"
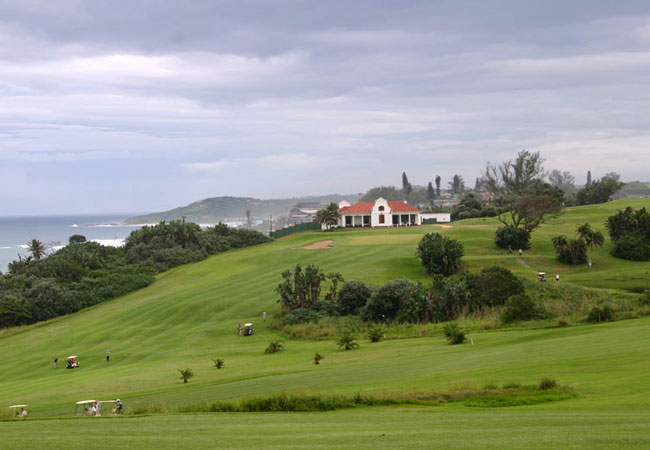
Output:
[[18, 411], [248, 329], [83, 408]]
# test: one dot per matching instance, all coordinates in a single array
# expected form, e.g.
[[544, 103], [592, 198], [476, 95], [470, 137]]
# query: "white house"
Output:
[[380, 213], [440, 217]]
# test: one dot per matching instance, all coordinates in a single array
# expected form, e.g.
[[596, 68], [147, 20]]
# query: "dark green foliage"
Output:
[[218, 363], [317, 358], [591, 238], [454, 333], [598, 192], [511, 237], [472, 206], [186, 374], [303, 315], [388, 300], [375, 334], [547, 383], [494, 285], [328, 216], [347, 341], [450, 296], [630, 231], [645, 298], [274, 347], [440, 255], [300, 289], [570, 251], [353, 296], [521, 307], [598, 314], [76, 239]]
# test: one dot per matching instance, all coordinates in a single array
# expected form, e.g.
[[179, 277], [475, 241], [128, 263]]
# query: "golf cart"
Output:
[[248, 329], [18, 411], [83, 408], [72, 362], [541, 276]]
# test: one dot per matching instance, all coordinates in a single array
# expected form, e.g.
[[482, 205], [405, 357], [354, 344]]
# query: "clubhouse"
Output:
[[380, 213]]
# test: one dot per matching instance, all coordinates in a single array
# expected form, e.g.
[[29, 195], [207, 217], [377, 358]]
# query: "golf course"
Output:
[[190, 316]]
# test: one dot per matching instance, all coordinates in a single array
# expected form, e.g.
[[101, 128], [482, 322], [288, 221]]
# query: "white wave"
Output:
[[113, 225], [5, 248], [23, 246], [110, 242]]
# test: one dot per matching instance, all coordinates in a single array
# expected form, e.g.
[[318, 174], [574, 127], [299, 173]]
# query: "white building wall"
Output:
[[376, 212], [440, 217]]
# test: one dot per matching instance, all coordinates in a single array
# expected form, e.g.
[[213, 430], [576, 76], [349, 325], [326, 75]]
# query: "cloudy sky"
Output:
[[130, 106]]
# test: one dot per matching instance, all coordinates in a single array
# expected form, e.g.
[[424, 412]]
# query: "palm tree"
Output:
[[328, 216], [186, 374], [347, 341], [274, 347], [36, 248], [590, 237]]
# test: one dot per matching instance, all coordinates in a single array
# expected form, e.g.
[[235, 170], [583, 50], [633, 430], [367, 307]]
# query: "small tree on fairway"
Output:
[[218, 363], [440, 254], [375, 334], [274, 347], [317, 358], [347, 341], [186, 374], [454, 333]]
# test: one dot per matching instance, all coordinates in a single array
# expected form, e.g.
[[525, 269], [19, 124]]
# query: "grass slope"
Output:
[[190, 315]]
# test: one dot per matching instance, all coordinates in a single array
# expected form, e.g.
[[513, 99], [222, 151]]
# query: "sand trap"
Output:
[[446, 227], [317, 245]]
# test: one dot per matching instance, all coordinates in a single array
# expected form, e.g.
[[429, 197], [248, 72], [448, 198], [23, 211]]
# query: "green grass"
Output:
[[189, 316]]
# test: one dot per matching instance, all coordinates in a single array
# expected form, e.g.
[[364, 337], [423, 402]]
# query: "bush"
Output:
[[597, 314], [440, 255], [218, 363], [347, 341], [353, 296], [317, 358], [494, 285], [645, 298], [388, 300], [547, 383], [274, 347], [521, 307], [302, 315], [632, 246], [570, 251], [375, 334], [186, 374], [511, 237], [454, 333]]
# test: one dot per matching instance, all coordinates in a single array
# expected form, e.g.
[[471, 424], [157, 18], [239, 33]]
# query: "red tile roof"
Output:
[[366, 208]]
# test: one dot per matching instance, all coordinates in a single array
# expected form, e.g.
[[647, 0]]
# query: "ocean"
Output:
[[54, 231]]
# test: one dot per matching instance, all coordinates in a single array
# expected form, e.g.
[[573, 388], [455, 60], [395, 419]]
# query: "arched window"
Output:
[[381, 208]]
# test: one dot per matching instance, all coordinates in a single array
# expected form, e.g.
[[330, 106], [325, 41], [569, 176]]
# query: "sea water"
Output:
[[54, 231]]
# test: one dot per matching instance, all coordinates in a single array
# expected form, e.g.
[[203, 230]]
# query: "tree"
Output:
[[76, 239], [509, 237], [440, 254], [347, 341], [514, 177], [570, 251], [300, 289], [431, 194], [478, 185], [470, 206], [334, 278], [36, 249], [457, 184], [530, 211], [328, 216], [438, 180], [274, 347], [563, 180], [354, 295], [591, 238], [317, 358], [588, 183], [186, 374], [248, 218], [406, 186], [388, 300], [598, 191], [390, 193]]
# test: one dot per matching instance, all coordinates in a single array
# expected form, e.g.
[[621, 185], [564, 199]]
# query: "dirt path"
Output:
[[523, 263], [317, 245]]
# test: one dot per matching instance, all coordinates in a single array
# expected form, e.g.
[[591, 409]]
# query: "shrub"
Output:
[[353, 296], [218, 363], [440, 254], [454, 333], [645, 298], [347, 341], [274, 347], [375, 334], [521, 307], [186, 374], [512, 237], [317, 358], [604, 314], [562, 323], [632, 246], [302, 315], [494, 285], [388, 300], [547, 383], [570, 251]]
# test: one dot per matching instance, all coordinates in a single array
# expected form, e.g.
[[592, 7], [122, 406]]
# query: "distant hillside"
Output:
[[212, 210]]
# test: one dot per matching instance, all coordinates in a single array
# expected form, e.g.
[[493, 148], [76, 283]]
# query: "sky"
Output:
[[123, 106]]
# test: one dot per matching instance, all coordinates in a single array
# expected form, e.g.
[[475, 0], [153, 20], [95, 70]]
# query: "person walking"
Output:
[[56, 363], [589, 263], [108, 356], [521, 252], [557, 277], [264, 316]]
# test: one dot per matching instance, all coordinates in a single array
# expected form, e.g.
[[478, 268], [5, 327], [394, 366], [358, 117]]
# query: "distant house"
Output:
[[304, 211], [438, 217], [380, 213]]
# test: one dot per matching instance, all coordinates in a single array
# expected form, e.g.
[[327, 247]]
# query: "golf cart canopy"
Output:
[[72, 357], [84, 402], [18, 406], [248, 324]]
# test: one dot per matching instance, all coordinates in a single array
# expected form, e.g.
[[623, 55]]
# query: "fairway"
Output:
[[190, 316]]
